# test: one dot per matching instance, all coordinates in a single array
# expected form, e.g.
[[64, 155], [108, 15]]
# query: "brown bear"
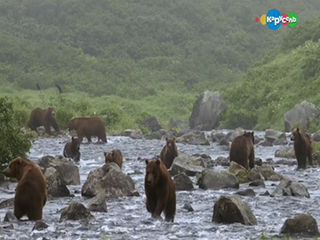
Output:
[[242, 150], [87, 127], [114, 156], [31, 191], [72, 149], [169, 152], [302, 147], [160, 190], [40, 117]]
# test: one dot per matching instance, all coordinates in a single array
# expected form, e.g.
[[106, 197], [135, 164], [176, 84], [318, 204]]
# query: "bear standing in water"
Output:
[[169, 152], [114, 156], [160, 190], [88, 127], [31, 191], [72, 149], [242, 150], [302, 147]]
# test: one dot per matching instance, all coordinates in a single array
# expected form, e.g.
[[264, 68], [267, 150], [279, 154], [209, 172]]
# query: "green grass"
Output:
[[122, 113]]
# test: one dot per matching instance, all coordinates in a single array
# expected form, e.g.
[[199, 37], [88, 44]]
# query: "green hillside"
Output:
[[138, 57], [284, 78]]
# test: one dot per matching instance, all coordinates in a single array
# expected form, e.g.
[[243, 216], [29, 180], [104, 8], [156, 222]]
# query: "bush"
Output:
[[13, 142]]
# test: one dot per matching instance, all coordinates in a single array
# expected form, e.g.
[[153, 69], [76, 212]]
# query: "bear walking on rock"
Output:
[[242, 150], [169, 152], [31, 191], [46, 118], [88, 127], [114, 156], [72, 149], [302, 147], [160, 190]]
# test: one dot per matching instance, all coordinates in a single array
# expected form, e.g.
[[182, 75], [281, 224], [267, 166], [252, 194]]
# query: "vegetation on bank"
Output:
[[13, 142], [287, 76]]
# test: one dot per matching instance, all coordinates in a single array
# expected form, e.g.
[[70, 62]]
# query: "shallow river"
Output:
[[127, 218]]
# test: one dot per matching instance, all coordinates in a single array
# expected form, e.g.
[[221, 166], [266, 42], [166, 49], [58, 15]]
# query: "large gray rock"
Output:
[[193, 138], [98, 203], [109, 179], [285, 153], [69, 172], [272, 135], [56, 186], [303, 225], [289, 188], [231, 210], [215, 180], [234, 133], [191, 165], [302, 114], [76, 211], [206, 111], [182, 182], [152, 124]]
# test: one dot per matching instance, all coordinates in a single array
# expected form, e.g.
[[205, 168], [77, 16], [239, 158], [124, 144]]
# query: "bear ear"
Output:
[[105, 154], [147, 162], [297, 129], [166, 139], [112, 153], [158, 161], [174, 138], [72, 138]]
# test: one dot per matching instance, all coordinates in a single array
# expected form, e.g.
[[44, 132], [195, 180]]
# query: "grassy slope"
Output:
[[286, 77]]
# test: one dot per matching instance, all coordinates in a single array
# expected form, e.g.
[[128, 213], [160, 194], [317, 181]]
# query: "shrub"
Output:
[[13, 142]]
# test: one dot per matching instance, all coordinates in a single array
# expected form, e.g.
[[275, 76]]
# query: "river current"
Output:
[[127, 217]]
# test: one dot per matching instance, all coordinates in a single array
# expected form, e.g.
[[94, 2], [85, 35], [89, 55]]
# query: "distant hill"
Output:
[[287, 76], [135, 49]]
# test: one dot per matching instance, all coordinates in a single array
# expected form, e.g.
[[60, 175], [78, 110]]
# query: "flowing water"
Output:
[[127, 217]]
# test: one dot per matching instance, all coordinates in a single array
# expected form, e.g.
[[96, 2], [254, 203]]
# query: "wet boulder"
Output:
[[257, 183], [10, 217], [191, 165], [152, 123], [303, 225], [302, 114], [161, 134], [98, 203], [182, 182], [222, 161], [56, 186], [76, 211], [289, 188], [285, 153], [69, 172], [193, 138], [217, 136], [109, 179], [249, 192], [234, 133], [217, 179], [40, 225], [281, 140], [272, 135], [229, 210], [206, 111], [267, 171], [239, 171]]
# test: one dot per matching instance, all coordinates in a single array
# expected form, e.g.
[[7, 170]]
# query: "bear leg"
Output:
[[310, 157], [170, 212]]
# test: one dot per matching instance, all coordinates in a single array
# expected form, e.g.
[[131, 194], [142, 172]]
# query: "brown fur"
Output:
[[160, 190], [46, 118], [114, 156], [31, 191], [169, 152], [87, 127], [242, 150], [72, 149], [302, 147]]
